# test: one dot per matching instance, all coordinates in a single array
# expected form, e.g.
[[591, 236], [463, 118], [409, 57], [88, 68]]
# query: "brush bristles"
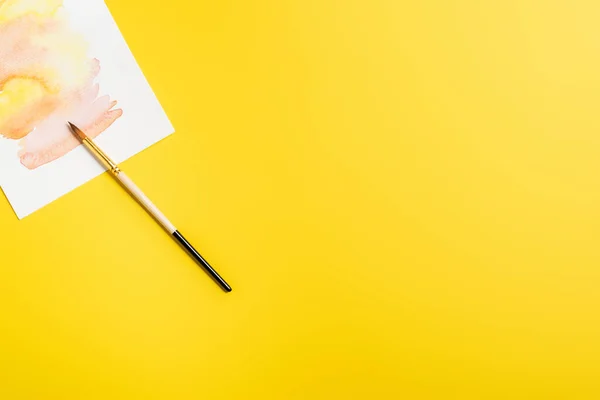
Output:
[[77, 131]]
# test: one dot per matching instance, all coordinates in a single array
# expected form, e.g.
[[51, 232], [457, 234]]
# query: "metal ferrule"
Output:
[[110, 164]]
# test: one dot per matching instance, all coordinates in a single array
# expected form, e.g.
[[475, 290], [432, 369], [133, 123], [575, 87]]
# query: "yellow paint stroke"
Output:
[[13, 9], [46, 78]]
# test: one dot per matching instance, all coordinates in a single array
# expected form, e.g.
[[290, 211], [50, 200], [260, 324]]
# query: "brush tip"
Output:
[[76, 130]]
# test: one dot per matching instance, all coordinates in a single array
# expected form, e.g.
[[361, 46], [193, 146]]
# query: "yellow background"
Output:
[[405, 196]]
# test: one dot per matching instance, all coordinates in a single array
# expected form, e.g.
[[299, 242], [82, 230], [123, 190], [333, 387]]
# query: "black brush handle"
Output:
[[200, 260]]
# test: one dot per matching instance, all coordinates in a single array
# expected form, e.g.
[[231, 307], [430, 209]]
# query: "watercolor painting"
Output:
[[46, 79], [66, 60]]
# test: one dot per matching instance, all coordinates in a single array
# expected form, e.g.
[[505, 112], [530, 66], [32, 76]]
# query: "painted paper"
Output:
[[65, 60]]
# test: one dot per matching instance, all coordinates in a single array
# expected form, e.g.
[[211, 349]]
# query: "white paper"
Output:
[[27, 185]]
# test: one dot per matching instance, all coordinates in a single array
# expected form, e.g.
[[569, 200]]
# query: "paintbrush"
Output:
[[148, 205]]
